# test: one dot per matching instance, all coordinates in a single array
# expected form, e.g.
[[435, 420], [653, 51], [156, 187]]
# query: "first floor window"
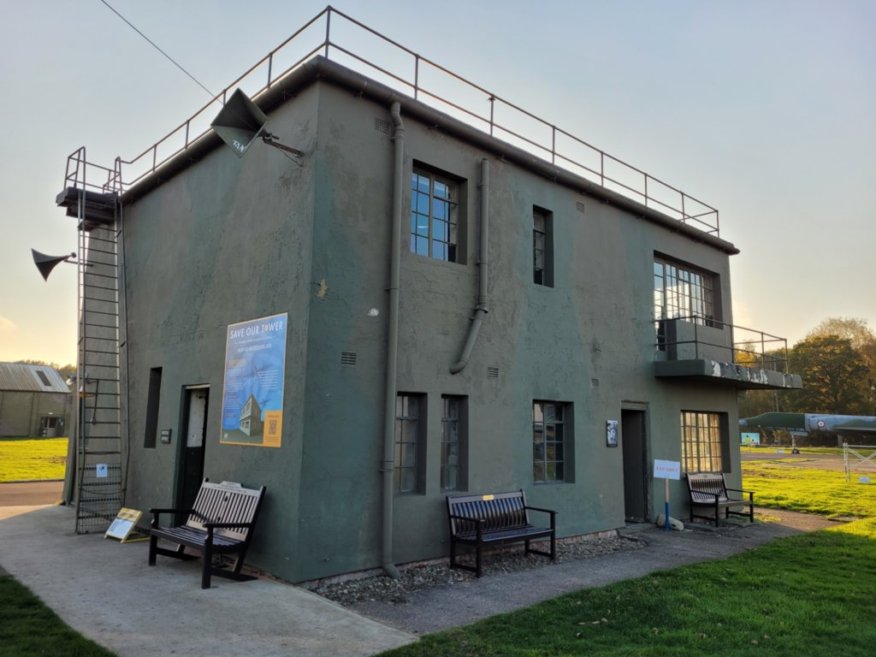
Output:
[[551, 434], [683, 292], [434, 216], [409, 422], [453, 443], [542, 247], [702, 443]]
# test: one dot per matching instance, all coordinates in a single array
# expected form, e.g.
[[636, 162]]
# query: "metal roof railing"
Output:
[[337, 36]]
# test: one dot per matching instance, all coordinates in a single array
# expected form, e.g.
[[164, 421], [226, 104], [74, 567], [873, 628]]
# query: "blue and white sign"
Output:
[[667, 469], [255, 369]]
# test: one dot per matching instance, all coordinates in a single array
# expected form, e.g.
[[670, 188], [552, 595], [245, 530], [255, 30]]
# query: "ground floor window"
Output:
[[702, 441], [453, 442], [410, 419], [551, 438]]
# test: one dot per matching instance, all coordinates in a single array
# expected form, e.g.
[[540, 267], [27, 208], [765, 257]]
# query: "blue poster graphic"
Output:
[[252, 396]]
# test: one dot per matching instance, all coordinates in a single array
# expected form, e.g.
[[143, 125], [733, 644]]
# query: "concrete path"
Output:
[[23, 497], [105, 590]]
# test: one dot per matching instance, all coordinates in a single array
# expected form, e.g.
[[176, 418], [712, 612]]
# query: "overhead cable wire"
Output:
[[154, 45]]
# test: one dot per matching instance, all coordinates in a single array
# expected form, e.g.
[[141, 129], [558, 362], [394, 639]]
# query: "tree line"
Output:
[[837, 360]]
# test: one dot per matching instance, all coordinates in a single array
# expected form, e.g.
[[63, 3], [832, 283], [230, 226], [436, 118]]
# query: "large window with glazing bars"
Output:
[[551, 438], [434, 216], [702, 441], [682, 291]]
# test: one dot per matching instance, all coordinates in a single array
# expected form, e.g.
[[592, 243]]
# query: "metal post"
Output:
[[416, 75], [553, 144], [328, 25], [270, 67], [492, 107]]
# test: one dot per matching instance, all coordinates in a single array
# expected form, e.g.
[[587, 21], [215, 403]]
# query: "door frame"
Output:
[[643, 410], [184, 484]]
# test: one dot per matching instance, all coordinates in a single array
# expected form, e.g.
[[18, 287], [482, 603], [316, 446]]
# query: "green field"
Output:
[[809, 489], [32, 459]]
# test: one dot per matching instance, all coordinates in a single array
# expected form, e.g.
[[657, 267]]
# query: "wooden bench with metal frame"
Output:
[[709, 490], [221, 522], [501, 518]]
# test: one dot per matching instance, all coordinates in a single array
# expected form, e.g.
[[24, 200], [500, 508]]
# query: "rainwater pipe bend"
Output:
[[482, 308]]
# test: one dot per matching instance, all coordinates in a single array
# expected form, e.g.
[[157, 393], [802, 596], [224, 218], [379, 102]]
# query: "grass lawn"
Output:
[[809, 489], [32, 459], [28, 627]]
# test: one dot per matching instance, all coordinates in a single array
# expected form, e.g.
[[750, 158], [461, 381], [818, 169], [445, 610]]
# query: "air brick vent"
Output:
[[348, 358], [383, 126], [492, 372]]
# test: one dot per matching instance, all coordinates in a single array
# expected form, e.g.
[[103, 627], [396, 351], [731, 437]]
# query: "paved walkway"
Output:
[[104, 590]]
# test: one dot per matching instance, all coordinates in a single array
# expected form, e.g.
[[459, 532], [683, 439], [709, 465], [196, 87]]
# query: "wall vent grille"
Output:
[[492, 372], [348, 358], [383, 126]]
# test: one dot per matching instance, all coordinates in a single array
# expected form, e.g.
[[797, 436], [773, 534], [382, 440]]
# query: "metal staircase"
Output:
[[100, 469]]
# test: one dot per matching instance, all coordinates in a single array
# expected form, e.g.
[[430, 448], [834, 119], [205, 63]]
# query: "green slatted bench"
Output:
[[495, 519], [708, 490], [221, 521]]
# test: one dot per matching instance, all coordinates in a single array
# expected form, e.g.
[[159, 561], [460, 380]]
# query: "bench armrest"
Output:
[[740, 490], [552, 513]]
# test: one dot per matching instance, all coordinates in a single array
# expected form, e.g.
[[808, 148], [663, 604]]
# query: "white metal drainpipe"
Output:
[[481, 309], [390, 391]]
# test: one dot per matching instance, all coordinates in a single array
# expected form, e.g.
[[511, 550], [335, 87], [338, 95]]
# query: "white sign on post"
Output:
[[102, 471], [667, 469]]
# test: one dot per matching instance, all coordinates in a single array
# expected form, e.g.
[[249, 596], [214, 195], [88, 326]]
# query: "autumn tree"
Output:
[[835, 376], [863, 341]]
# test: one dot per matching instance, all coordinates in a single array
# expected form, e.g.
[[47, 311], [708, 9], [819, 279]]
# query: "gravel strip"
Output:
[[381, 588]]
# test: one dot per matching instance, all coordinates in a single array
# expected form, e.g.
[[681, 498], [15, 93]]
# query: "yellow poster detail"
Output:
[[273, 428]]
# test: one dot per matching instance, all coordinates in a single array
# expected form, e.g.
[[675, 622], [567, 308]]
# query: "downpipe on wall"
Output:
[[481, 309], [390, 391]]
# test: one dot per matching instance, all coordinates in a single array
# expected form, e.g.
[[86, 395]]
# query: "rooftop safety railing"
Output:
[[338, 37], [742, 346]]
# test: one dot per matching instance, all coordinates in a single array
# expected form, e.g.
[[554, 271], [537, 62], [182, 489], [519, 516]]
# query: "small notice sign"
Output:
[[124, 527], [667, 469], [101, 470]]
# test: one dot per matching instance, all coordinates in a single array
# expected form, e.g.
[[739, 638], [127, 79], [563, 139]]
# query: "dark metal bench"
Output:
[[709, 490], [221, 522], [481, 520]]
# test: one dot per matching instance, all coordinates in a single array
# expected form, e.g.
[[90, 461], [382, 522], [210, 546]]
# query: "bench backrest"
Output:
[[226, 502], [499, 510], [703, 486]]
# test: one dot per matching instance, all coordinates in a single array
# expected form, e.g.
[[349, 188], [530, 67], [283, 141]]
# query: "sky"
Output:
[[765, 109]]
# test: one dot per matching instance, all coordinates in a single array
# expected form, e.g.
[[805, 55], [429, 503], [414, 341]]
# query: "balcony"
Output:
[[706, 350]]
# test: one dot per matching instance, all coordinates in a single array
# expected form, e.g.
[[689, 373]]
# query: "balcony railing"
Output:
[[697, 337], [338, 37]]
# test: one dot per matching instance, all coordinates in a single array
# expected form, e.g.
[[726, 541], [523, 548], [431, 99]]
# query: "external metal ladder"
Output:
[[100, 470]]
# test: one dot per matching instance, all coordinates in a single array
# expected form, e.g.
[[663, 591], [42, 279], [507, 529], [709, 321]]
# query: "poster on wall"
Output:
[[252, 396]]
